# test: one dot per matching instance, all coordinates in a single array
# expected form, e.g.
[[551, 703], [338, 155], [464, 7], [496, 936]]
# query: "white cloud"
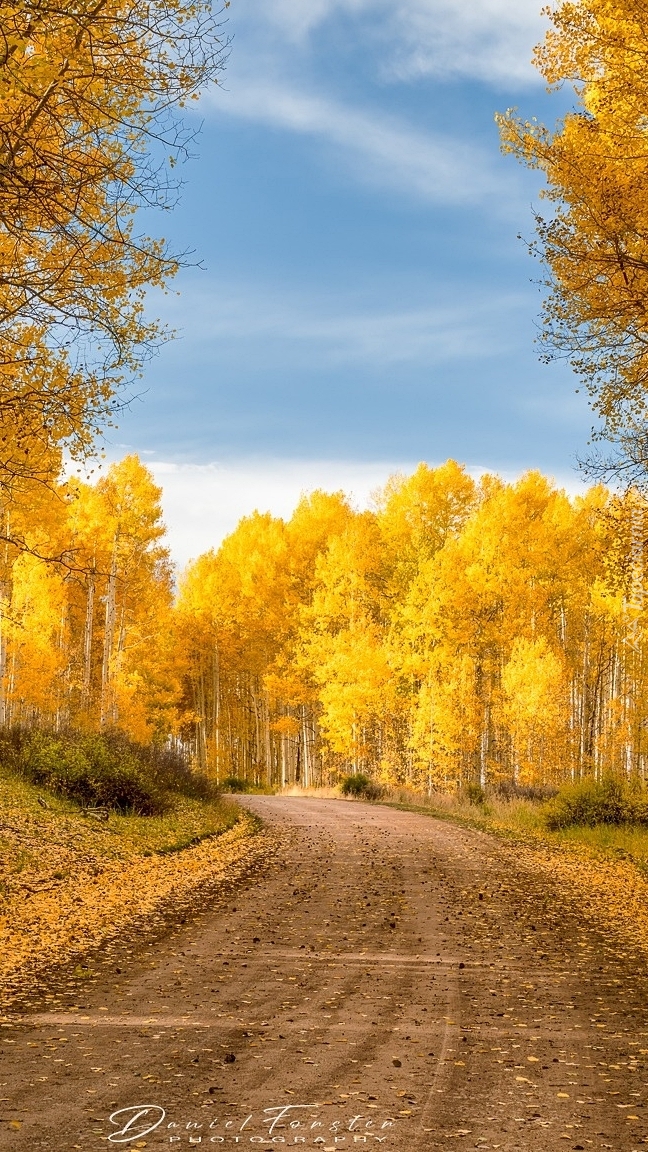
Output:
[[204, 502], [381, 148], [489, 40]]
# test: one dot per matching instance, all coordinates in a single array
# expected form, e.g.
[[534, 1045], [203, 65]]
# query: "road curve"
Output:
[[391, 981]]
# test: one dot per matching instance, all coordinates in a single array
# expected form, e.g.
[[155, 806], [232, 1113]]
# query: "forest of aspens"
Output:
[[462, 631]]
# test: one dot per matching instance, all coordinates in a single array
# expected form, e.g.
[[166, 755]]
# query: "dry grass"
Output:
[[322, 793], [522, 820]]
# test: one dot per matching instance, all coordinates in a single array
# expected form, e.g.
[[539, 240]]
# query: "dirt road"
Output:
[[392, 981]]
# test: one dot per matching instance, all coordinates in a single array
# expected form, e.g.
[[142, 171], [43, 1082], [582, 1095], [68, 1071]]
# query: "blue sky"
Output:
[[364, 302]]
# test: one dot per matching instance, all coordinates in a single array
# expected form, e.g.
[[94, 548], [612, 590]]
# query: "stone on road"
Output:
[[391, 981]]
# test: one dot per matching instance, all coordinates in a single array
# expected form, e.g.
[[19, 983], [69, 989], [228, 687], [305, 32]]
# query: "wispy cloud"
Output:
[[488, 40], [342, 331], [381, 148], [276, 79]]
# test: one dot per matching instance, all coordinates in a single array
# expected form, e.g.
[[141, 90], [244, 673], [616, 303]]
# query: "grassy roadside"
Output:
[[70, 883], [522, 821]]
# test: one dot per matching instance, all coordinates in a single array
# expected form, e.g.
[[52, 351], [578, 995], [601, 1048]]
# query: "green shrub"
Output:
[[592, 802], [474, 793], [361, 786], [235, 784], [93, 774], [102, 770]]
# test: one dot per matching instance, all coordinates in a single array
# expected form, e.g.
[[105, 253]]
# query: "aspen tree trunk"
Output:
[[119, 649], [3, 673], [317, 758], [614, 683], [109, 631], [87, 644], [305, 743], [583, 706], [11, 709], [3, 669], [216, 708], [61, 682], [267, 738], [229, 732], [257, 732], [201, 734], [5, 593], [483, 749]]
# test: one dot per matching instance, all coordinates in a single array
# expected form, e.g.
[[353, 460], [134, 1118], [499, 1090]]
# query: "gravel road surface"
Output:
[[391, 980]]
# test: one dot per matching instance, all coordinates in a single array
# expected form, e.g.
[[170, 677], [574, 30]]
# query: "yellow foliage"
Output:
[[87, 641], [596, 165], [86, 90], [535, 708], [460, 632]]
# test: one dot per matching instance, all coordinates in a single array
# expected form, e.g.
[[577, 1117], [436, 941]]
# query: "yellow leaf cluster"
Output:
[[69, 887], [87, 92], [87, 641], [596, 163]]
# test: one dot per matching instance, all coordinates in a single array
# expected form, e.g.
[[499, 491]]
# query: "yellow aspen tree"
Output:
[[232, 615], [292, 694], [463, 632], [89, 92], [514, 572], [137, 595], [37, 644], [535, 710], [248, 703], [342, 645], [417, 516], [593, 242]]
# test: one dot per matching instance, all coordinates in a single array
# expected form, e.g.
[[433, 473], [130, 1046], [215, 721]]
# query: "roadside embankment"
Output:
[[71, 884]]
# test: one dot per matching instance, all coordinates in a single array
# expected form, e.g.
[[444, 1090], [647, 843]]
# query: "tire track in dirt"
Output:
[[388, 980]]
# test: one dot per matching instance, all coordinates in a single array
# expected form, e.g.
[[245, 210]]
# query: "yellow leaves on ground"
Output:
[[67, 887], [610, 893]]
